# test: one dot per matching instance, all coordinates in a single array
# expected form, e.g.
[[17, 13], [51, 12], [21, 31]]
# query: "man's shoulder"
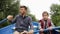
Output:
[[17, 16], [29, 17]]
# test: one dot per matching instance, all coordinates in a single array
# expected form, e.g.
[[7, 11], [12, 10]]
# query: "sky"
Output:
[[37, 7]]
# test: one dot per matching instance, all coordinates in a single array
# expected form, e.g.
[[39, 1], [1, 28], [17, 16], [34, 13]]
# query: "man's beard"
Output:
[[22, 13]]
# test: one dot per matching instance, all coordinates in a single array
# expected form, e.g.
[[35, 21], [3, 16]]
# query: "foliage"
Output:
[[8, 7], [55, 14]]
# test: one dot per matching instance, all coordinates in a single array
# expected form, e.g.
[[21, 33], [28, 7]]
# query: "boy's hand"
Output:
[[41, 30], [50, 28], [10, 17]]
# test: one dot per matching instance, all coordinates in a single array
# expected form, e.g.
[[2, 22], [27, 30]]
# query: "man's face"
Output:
[[22, 10], [45, 16]]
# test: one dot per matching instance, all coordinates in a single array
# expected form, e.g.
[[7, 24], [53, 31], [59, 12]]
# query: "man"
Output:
[[45, 23], [22, 21]]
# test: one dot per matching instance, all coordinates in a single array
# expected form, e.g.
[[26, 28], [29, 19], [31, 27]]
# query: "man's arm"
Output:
[[30, 23], [31, 26], [11, 19]]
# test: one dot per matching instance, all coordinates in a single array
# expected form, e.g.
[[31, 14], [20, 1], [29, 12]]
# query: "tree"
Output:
[[55, 14], [32, 16], [8, 7]]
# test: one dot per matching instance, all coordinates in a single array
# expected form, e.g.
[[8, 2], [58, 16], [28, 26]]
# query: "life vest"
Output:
[[42, 23]]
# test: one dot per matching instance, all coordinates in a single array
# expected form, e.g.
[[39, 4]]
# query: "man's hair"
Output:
[[45, 12], [23, 7]]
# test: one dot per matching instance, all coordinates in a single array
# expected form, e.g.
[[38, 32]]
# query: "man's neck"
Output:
[[23, 15]]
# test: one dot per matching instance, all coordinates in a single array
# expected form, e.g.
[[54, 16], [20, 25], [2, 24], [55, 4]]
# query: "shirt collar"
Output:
[[23, 17]]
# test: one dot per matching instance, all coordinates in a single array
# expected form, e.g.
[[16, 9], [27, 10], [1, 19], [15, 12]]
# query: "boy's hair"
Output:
[[45, 12], [23, 7]]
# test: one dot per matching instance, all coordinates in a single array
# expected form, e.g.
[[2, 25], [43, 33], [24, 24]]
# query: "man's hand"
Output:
[[24, 32], [30, 32], [10, 17]]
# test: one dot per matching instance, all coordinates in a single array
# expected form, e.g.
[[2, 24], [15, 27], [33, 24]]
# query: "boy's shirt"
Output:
[[45, 24]]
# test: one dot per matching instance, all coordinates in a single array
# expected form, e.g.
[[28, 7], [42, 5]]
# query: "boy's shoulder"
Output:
[[43, 20], [40, 20]]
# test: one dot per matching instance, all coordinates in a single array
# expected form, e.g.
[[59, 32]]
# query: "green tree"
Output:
[[8, 7], [33, 17], [55, 14]]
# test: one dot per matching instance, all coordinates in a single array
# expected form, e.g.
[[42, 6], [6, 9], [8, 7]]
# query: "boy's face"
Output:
[[22, 10], [45, 16]]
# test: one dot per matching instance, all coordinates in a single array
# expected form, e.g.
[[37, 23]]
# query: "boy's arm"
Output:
[[41, 29], [40, 24], [52, 25]]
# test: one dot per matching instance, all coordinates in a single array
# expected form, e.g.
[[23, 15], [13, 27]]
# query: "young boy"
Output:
[[45, 23]]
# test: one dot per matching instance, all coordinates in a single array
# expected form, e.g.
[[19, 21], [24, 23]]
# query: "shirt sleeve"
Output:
[[14, 20], [30, 23]]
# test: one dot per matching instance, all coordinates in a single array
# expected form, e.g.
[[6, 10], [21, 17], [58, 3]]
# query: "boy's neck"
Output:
[[45, 19]]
